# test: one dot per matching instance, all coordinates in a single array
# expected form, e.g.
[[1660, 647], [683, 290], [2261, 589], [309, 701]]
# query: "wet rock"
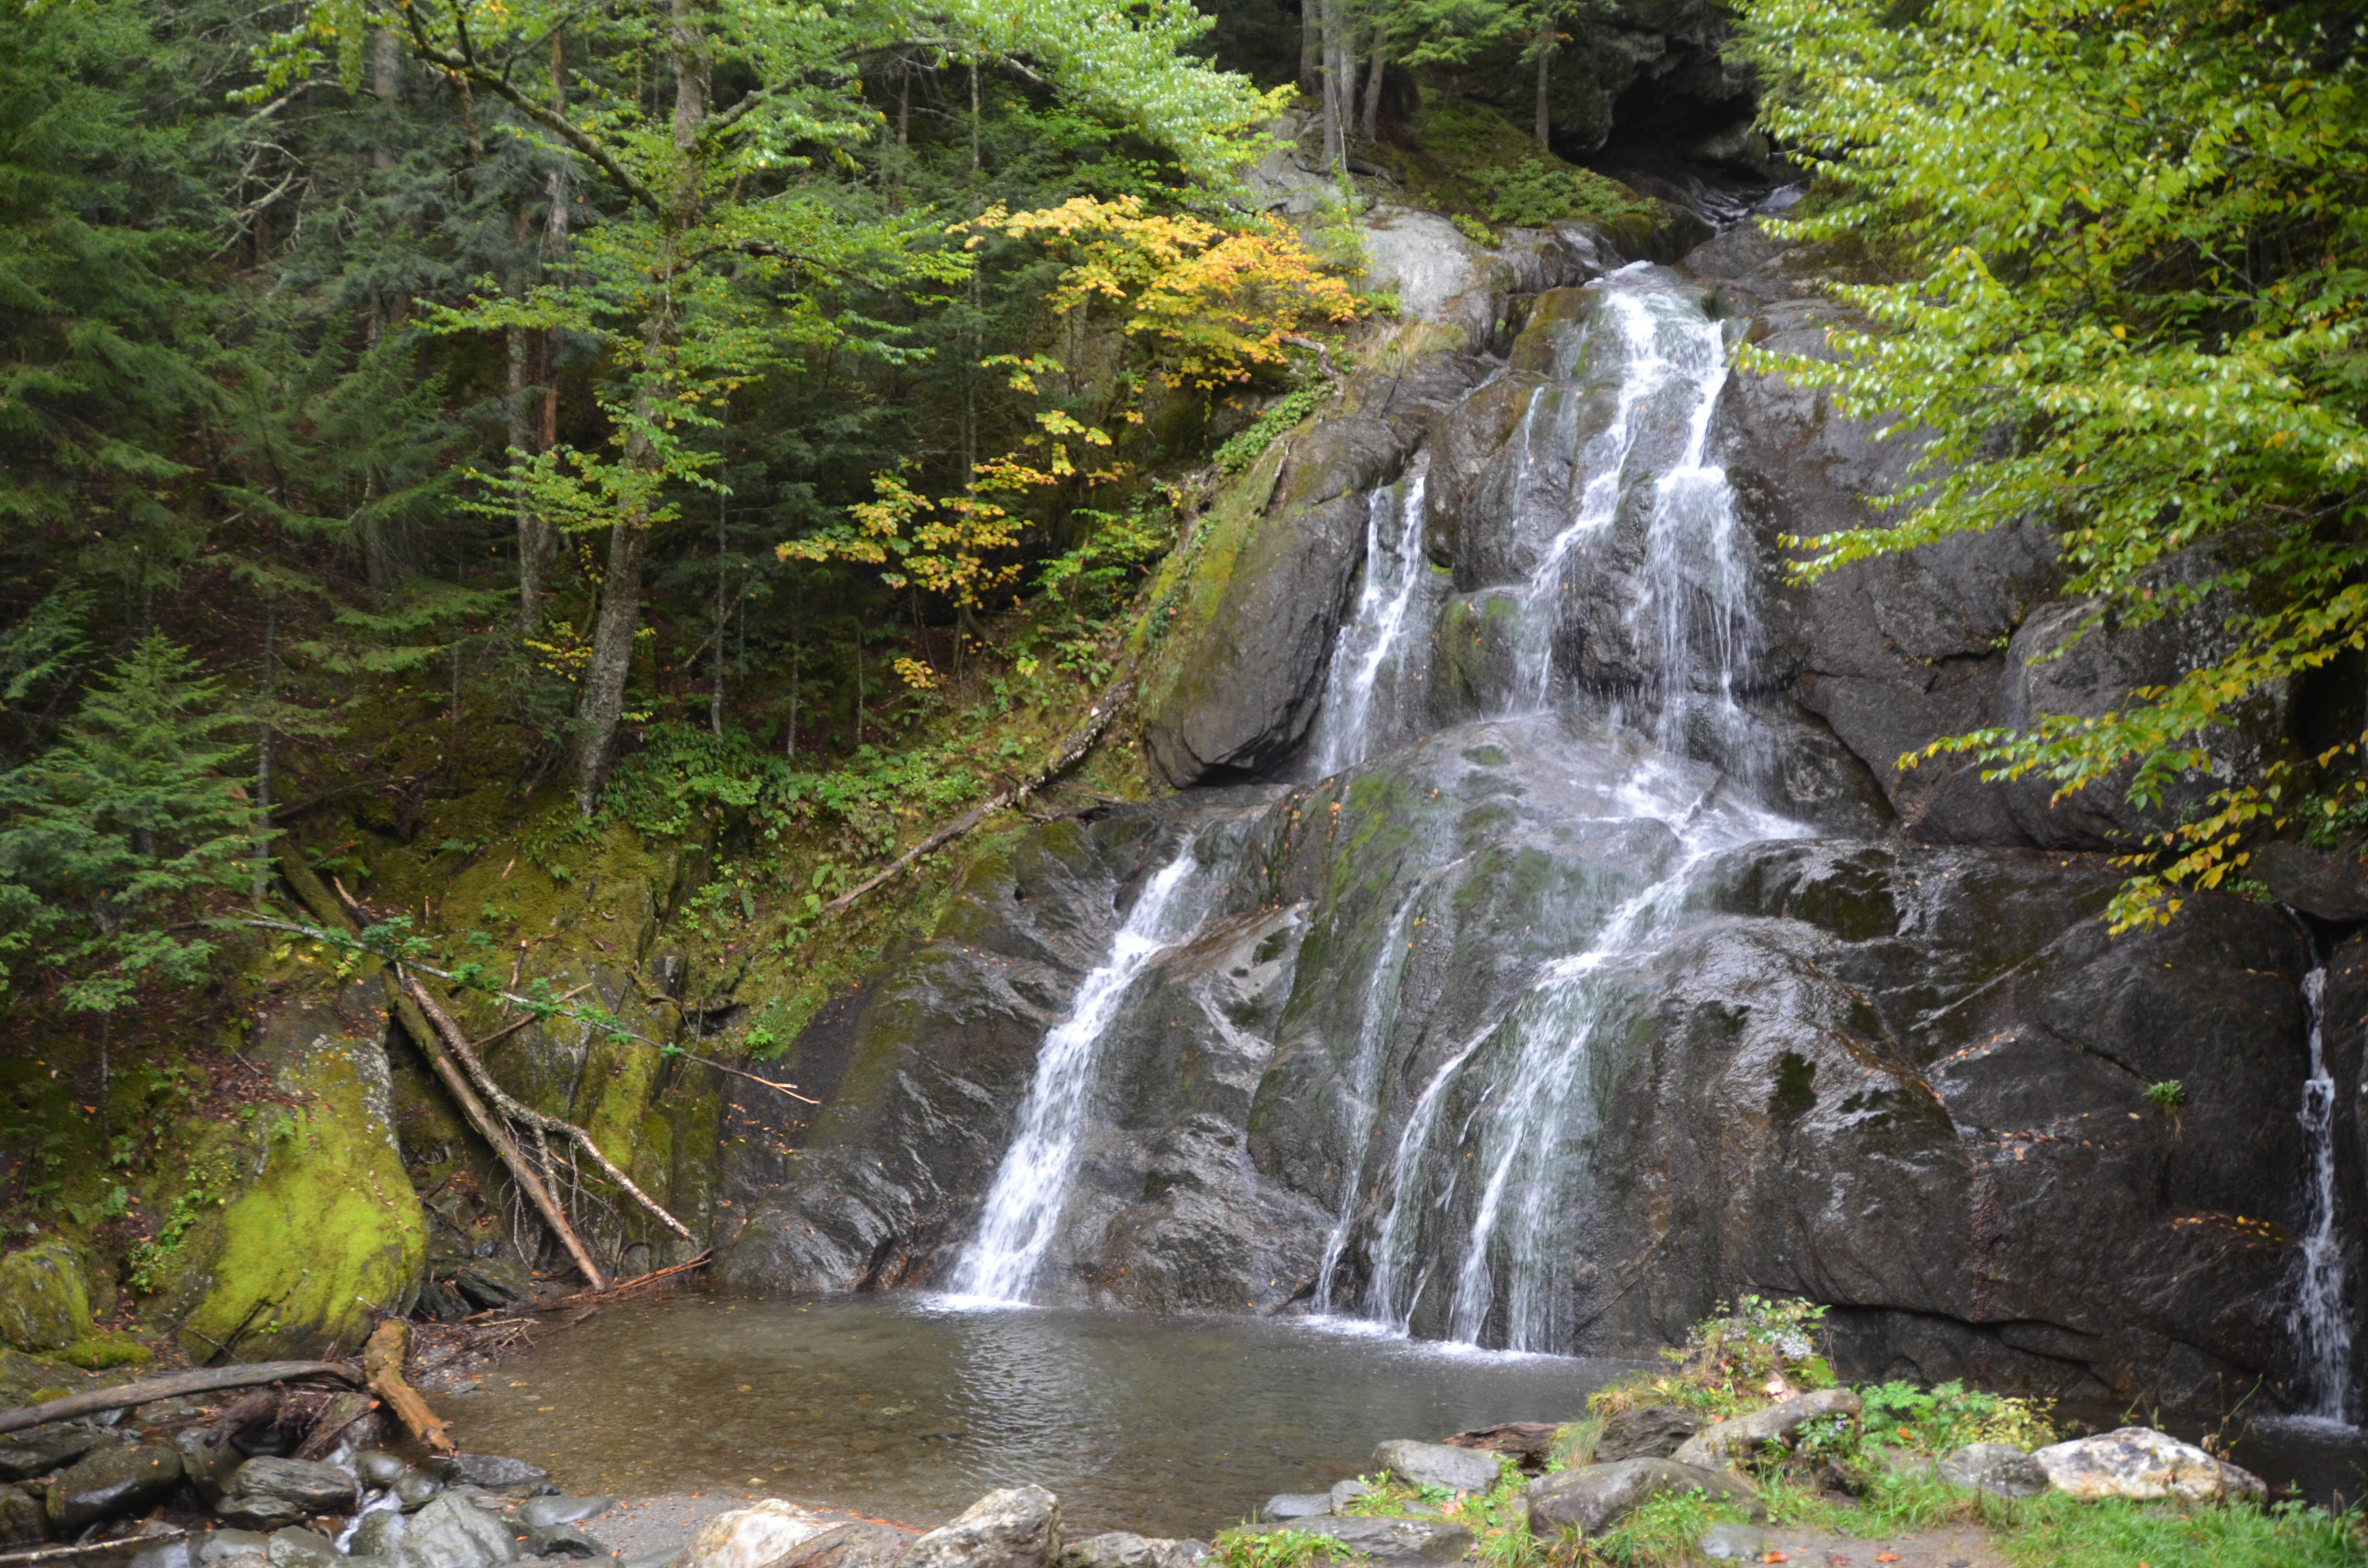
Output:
[[416, 1488], [22, 1519], [1438, 1464], [563, 1540], [376, 1467], [1731, 1543], [111, 1481], [2331, 887], [1344, 1492], [852, 1545], [1596, 1496], [1118, 1549], [1720, 1442], [379, 1533], [492, 1471], [1647, 1432], [45, 1449], [1998, 1468], [2139, 1463], [1389, 1541], [492, 1283], [453, 1532], [297, 1548], [206, 1468], [44, 1301], [751, 1537], [243, 1559], [1295, 1505], [1017, 1527], [1529, 1444], [536, 1512], [311, 1488], [220, 1545]]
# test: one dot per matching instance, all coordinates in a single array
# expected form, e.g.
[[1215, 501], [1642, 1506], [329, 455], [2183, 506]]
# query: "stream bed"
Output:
[[907, 1406]]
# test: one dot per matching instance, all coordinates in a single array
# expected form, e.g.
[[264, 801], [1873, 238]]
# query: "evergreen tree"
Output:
[[108, 839]]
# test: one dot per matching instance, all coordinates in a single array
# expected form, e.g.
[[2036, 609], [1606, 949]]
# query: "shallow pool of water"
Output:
[[907, 1407]]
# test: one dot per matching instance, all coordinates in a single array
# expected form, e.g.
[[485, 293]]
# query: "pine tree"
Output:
[[109, 837]]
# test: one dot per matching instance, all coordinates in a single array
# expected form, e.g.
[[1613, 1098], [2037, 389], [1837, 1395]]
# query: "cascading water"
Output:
[[2322, 1320], [1524, 1085], [1023, 1207], [1368, 658]]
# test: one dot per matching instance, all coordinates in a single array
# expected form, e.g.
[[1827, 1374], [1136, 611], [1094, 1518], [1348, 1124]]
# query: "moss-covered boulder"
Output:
[[44, 1301], [327, 1233]]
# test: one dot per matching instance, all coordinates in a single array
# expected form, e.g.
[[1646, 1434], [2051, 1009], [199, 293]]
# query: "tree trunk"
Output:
[[538, 543], [263, 757], [1545, 74], [602, 700], [1369, 120], [1311, 45], [1335, 113]]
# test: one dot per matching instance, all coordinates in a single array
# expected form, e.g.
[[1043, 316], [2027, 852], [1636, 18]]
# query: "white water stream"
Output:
[[1031, 1187], [2322, 1319], [1369, 658]]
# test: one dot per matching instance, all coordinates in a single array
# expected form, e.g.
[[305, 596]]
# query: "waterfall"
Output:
[[2322, 1320], [1031, 1187], [1374, 643]]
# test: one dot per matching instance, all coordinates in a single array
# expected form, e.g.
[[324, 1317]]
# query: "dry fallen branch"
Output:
[[383, 1364], [173, 1385]]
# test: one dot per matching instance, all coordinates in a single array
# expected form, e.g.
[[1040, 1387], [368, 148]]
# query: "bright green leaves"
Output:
[[2128, 304]]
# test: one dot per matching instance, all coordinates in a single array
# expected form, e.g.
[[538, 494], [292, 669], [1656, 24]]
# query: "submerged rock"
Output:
[[1718, 1443], [536, 1512], [1438, 1464], [1999, 1468], [111, 1481], [1596, 1496], [751, 1537], [1732, 1543], [1647, 1432], [1017, 1527], [2140, 1463], [495, 1472]]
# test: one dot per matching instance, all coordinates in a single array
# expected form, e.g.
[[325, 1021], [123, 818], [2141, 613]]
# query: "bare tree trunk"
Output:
[[263, 757], [1370, 121], [1311, 45], [386, 85], [602, 700], [538, 543], [1545, 75], [1335, 113]]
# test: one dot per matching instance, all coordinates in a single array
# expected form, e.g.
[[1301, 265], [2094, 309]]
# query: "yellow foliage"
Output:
[[1220, 302]]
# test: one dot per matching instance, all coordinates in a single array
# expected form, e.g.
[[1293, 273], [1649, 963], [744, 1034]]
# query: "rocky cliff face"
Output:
[[1615, 967]]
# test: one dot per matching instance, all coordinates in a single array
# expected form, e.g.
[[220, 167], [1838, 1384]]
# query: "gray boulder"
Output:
[[378, 1467], [111, 1480], [1015, 1526], [859, 1544], [22, 1520], [453, 1532], [1296, 1506], [536, 1512], [1999, 1468], [1722, 1442], [751, 1537], [1344, 1492], [493, 1471], [416, 1490], [220, 1545], [1437, 1464], [1647, 1432], [44, 1449], [2140, 1465], [310, 1488], [1121, 1549], [1389, 1541], [1596, 1496], [298, 1548], [564, 1540], [379, 1533]]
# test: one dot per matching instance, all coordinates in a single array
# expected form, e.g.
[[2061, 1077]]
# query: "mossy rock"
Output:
[[30, 1380], [44, 1301], [107, 1348], [330, 1233]]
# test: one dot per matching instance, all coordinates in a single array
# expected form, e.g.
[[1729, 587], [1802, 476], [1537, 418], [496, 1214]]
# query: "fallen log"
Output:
[[173, 1385], [94, 1548], [383, 1366]]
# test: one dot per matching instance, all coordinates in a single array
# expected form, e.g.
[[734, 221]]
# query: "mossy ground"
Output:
[[1466, 161]]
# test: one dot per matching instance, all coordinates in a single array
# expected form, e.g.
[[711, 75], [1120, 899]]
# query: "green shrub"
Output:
[[1534, 194]]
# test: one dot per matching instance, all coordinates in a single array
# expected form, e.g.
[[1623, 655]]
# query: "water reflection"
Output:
[[908, 1408]]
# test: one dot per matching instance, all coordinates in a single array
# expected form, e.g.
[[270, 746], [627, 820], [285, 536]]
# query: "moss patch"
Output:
[[44, 1304], [327, 1235], [1465, 160]]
